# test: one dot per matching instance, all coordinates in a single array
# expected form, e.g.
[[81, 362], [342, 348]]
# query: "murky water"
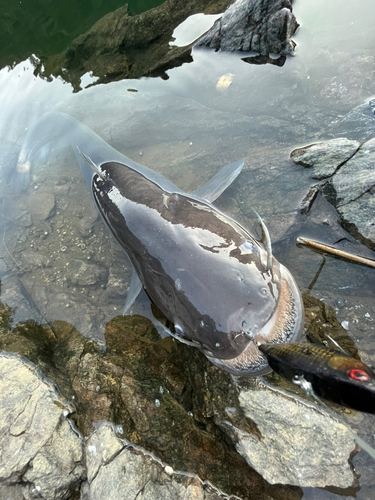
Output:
[[57, 260]]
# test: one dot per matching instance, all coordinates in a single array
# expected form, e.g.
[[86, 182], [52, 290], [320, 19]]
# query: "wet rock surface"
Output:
[[253, 25], [358, 124], [357, 176], [348, 167], [115, 465], [40, 448], [325, 157], [168, 399], [41, 206], [303, 463]]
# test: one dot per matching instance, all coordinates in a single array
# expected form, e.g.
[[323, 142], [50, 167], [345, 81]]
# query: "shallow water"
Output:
[[186, 128]]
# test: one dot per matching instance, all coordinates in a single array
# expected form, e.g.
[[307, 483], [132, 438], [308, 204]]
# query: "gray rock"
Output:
[[86, 225], [118, 283], [360, 213], [40, 449], [357, 176], [14, 295], [254, 25], [325, 157], [351, 184], [84, 273], [118, 469], [359, 124], [295, 442], [11, 492], [41, 205]]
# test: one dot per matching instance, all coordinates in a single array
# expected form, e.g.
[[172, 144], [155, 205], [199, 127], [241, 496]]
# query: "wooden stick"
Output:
[[337, 253]]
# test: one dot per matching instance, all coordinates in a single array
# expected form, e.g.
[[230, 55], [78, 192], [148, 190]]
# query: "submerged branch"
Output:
[[337, 253]]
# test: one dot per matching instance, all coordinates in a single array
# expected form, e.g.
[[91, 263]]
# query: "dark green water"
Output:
[[45, 27]]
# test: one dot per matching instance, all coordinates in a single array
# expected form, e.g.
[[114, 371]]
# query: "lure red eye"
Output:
[[359, 375]]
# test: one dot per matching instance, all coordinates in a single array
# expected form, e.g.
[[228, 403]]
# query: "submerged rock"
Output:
[[85, 273], [15, 296], [358, 124], [261, 26], [115, 465], [41, 206], [40, 449]]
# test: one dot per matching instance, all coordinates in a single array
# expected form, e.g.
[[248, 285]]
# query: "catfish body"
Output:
[[202, 270], [220, 288]]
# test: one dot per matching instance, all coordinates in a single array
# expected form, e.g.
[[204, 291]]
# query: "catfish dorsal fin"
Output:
[[219, 182], [91, 164]]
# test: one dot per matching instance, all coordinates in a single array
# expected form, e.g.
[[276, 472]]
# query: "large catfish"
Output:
[[220, 288]]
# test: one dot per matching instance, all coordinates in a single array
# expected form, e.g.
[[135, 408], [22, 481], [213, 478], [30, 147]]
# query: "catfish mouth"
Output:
[[285, 325]]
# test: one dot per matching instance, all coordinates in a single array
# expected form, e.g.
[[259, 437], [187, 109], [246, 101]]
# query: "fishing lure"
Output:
[[333, 375]]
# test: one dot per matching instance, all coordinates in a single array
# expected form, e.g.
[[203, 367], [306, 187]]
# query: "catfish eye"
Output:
[[359, 375]]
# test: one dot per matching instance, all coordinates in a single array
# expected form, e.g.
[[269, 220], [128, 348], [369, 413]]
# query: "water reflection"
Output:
[[46, 28], [192, 28]]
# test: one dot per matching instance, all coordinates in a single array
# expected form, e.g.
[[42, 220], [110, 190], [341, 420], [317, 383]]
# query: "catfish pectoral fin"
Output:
[[134, 290], [219, 182]]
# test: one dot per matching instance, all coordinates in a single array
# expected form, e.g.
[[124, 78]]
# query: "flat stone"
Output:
[[11, 492], [86, 225], [295, 442], [358, 124], [325, 157], [356, 176], [39, 447], [118, 469], [361, 213], [85, 273], [41, 205]]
